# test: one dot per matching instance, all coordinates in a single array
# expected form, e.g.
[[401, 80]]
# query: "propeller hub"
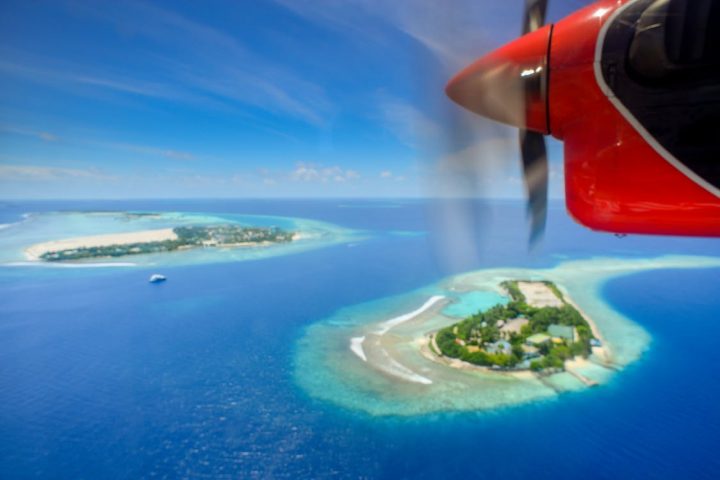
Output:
[[510, 85]]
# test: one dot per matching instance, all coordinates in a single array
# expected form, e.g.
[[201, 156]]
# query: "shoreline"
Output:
[[427, 346], [604, 351], [571, 365], [427, 351], [36, 251]]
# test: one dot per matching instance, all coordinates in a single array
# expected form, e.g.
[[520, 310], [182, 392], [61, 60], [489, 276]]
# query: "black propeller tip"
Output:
[[535, 171]]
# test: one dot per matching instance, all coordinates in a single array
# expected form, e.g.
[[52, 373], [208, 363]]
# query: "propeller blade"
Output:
[[535, 169], [532, 144], [534, 15], [510, 85]]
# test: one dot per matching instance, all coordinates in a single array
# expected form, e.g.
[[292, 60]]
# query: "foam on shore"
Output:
[[356, 345], [400, 319], [380, 359], [395, 378]]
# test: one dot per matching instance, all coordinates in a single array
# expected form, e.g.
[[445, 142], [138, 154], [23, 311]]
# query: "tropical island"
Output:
[[538, 330], [156, 241], [379, 357]]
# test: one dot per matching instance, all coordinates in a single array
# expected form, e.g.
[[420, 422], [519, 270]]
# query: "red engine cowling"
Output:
[[620, 175], [615, 178]]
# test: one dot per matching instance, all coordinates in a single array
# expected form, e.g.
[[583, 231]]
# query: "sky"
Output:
[[263, 98]]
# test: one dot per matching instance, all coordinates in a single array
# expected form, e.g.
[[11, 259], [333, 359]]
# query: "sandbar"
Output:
[[35, 252]]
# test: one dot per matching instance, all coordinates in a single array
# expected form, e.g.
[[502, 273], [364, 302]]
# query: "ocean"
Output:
[[103, 375]]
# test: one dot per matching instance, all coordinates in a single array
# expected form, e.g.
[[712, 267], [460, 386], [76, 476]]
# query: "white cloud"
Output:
[[389, 175], [307, 172]]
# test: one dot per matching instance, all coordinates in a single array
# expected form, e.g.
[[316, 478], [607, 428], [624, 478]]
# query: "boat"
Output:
[[157, 278]]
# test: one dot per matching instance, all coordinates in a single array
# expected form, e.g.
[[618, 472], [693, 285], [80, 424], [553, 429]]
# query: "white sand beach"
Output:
[[602, 352], [34, 252], [539, 295]]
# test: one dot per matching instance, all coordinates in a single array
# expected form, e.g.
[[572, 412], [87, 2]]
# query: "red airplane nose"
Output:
[[510, 84]]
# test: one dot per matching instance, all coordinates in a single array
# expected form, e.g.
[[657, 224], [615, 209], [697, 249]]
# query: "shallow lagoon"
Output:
[[465, 304]]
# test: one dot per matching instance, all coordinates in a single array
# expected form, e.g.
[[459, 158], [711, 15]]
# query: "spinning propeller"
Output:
[[510, 85]]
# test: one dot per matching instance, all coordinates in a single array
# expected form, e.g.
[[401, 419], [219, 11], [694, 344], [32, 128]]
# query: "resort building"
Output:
[[538, 339], [499, 347], [562, 333], [530, 352]]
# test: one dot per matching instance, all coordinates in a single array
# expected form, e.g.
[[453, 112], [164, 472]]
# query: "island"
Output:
[[538, 330], [379, 356], [161, 240]]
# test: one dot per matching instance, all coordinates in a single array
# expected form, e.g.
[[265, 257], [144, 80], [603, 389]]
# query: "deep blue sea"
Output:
[[104, 376]]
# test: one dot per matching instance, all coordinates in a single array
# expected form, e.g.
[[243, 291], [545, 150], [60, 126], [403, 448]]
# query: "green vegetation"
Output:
[[187, 237], [516, 335], [219, 235], [554, 289], [512, 288]]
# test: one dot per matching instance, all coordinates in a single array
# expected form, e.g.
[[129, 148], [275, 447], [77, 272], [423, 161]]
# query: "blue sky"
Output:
[[274, 98]]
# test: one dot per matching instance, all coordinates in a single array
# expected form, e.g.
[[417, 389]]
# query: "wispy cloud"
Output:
[[48, 137], [77, 78], [168, 153], [146, 150], [41, 135], [185, 61], [454, 32], [34, 172]]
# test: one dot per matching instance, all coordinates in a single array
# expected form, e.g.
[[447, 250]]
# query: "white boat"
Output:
[[157, 278]]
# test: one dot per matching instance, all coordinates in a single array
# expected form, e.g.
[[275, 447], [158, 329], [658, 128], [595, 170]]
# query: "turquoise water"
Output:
[[466, 304]]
